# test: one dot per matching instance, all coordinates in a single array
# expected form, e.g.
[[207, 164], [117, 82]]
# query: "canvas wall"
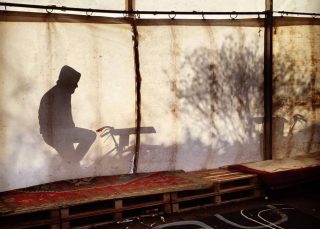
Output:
[[200, 107], [202, 91], [296, 99], [32, 55]]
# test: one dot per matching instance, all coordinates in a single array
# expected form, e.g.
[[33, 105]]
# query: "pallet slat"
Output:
[[51, 219], [227, 187], [117, 212]]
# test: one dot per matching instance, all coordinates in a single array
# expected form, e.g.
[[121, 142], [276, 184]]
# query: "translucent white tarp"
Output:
[[110, 4], [93, 4], [307, 6], [200, 6], [296, 106], [153, 5], [202, 90], [36, 122], [202, 93]]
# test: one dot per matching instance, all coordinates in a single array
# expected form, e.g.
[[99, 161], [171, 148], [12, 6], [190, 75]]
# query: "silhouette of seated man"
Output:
[[55, 118]]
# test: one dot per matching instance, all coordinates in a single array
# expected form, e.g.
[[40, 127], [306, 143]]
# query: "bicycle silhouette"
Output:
[[124, 135]]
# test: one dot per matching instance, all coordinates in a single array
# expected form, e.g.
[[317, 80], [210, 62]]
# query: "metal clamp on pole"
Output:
[[49, 9], [89, 13], [233, 17], [172, 15]]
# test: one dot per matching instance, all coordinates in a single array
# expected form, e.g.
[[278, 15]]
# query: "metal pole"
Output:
[[296, 13], [130, 7], [268, 89]]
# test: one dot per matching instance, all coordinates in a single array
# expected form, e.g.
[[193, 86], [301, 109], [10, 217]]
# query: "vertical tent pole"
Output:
[[135, 36], [268, 89], [130, 6]]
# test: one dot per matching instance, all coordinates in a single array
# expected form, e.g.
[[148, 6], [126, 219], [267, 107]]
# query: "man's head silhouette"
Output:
[[68, 78]]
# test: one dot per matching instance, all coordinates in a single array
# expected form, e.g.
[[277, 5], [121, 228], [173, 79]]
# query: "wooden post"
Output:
[[118, 204], [64, 213], [217, 199], [167, 203], [130, 5], [268, 89], [135, 38], [55, 215], [175, 204]]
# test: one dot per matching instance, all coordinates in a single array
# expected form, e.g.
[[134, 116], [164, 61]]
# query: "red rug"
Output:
[[67, 193]]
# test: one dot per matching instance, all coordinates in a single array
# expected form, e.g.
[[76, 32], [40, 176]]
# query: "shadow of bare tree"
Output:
[[224, 86]]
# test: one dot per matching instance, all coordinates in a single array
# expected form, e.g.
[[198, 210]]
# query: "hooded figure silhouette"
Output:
[[55, 119]]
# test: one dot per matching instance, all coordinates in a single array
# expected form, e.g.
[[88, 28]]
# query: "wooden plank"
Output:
[[64, 213], [217, 199], [4, 209], [93, 225], [238, 188], [174, 196], [118, 204], [215, 177], [55, 226], [175, 207], [235, 175], [115, 210], [38, 219], [237, 196], [254, 180], [31, 223], [55, 214], [234, 178], [90, 213], [167, 200], [65, 225], [238, 199], [195, 207], [195, 197], [144, 205], [205, 175], [167, 208], [243, 176], [257, 193], [217, 188], [211, 171]]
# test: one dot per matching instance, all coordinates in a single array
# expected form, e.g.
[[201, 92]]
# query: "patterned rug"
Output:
[[72, 192]]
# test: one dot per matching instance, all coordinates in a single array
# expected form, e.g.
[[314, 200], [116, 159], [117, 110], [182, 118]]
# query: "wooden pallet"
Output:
[[109, 211], [41, 219], [127, 197], [227, 187], [207, 188]]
